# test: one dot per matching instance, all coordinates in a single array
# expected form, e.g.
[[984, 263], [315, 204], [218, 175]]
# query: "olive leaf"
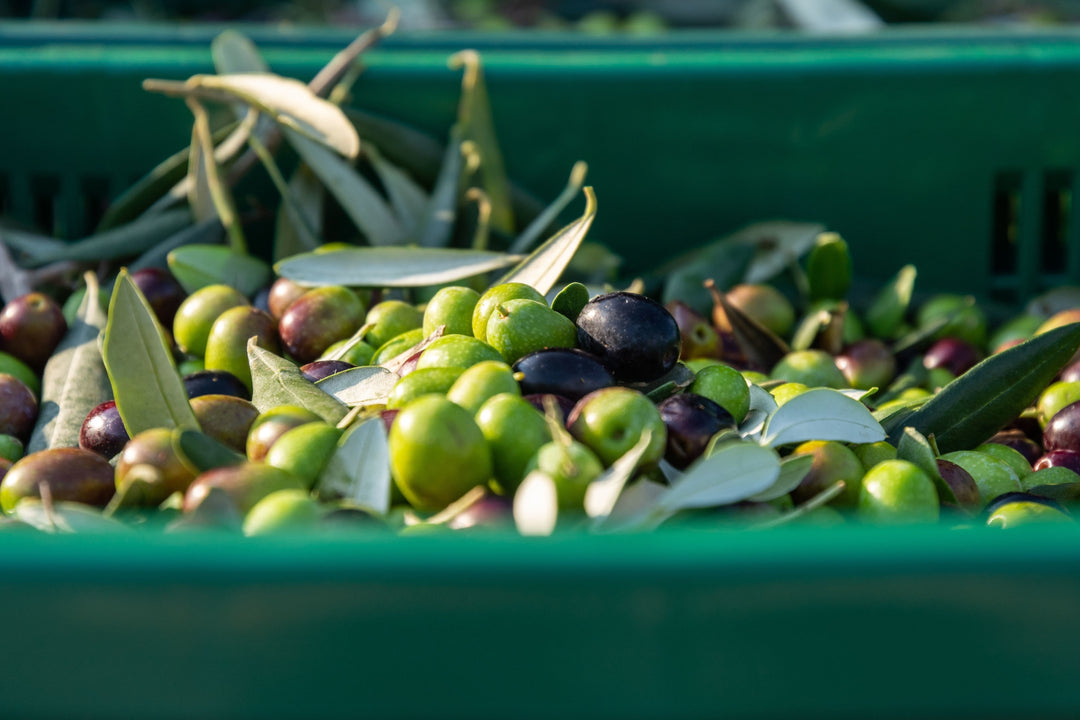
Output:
[[474, 116], [684, 278], [808, 330], [405, 362], [407, 198], [390, 266], [360, 200], [436, 226], [536, 504], [276, 381], [915, 448], [634, 509], [66, 517], [529, 236], [358, 471], [145, 383], [571, 300], [127, 241], [980, 402], [291, 215], [360, 386], [821, 414], [822, 498], [210, 195], [734, 472], [208, 232], [545, 265], [234, 52], [154, 185], [762, 405], [792, 471], [75, 380], [200, 452], [196, 266], [760, 345], [604, 491], [300, 218], [289, 102], [890, 305], [30, 245]]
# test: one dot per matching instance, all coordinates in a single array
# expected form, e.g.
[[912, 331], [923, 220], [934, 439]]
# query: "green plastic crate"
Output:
[[918, 148]]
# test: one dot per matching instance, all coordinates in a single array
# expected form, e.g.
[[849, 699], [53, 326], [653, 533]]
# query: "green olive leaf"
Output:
[[792, 471], [300, 217], [890, 305], [390, 266], [762, 405], [358, 471], [920, 338], [196, 266], [723, 262], [408, 200], [545, 265], [360, 386], [66, 517], [915, 448], [822, 498], [292, 104], [359, 199], [145, 384], [210, 195], [604, 491], [126, 241], [208, 232], [735, 472], [980, 402], [436, 226], [154, 185], [828, 268], [474, 116], [760, 345], [75, 380], [543, 221], [571, 300], [635, 509], [200, 452], [276, 381], [809, 329], [536, 505], [821, 414]]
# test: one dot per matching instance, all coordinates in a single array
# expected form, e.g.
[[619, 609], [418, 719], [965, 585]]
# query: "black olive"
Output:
[[561, 371], [635, 337], [215, 382], [691, 422]]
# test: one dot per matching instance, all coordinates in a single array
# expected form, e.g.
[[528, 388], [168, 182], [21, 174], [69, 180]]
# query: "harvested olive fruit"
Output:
[[514, 431], [424, 381], [196, 315], [611, 421], [961, 483], [458, 351], [765, 304], [304, 450], [1063, 430], [867, 363], [897, 491], [832, 462], [226, 346], [391, 318], [244, 485], [225, 418], [451, 307], [215, 382], [283, 512], [103, 431], [567, 372], [150, 460], [726, 387], [271, 425], [699, 337], [993, 477], [161, 290], [482, 381], [632, 335], [1059, 458], [319, 318], [691, 421], [319, 369], [72, 474], [31, 326], [485, 305], [282, 294], [953, 354], [518, 327], [18, 408], [572, 466], [813, 368], [1017, 440]]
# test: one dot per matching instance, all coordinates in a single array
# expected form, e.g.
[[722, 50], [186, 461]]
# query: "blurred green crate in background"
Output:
[[954, 150]]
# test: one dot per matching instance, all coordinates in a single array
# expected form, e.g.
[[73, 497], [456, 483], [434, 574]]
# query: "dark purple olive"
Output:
[[103, 431], [491, 512], [18, 407], [867, 363], [162, 292], [955, 355], [262, 301], [565, 404], [1018, 441], [1071, 373], [31, 326], [215, 382], [318, 369], [691, 422], [962, 485], [1059, 458], [1063, 430], [632, 335], [567, 372]]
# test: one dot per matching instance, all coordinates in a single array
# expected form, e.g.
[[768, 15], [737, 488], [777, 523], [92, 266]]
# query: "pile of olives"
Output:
[[493, 386]]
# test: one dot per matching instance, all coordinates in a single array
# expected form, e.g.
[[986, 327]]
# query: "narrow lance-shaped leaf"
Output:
[[202, 452], [735, 472], [208, 232], [545, 265], [889, 306], [359, 469], [916, 449], [146, 385], [75, 380], [407, 198], [792, 471], [474, 115], [436, 227], [760, 345], [821, 414], [525, 241], [604, 491], [205, 175], [295, 216], [276, 381], [980, 402], [292, 104], [127, 241], [360, 386], [300, 220], [390, 266], [358, 198], [196, 266]]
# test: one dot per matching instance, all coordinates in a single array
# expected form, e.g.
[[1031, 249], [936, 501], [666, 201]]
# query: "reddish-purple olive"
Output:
[[162, 292], [103, 431], [962, 484], [691, 422], [1059, 458], [1063, 430], [867, 363], [31, 326], [1018, 441], [318, 369], [18, 408], [955, 355]]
